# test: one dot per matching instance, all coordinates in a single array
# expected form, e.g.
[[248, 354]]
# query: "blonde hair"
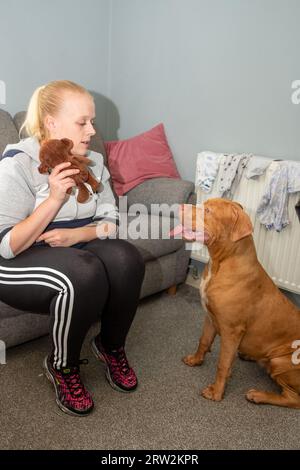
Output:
[[47, 99]]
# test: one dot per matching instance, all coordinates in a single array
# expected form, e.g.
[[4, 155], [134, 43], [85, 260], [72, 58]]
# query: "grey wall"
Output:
[[217, 73], [43, 40]]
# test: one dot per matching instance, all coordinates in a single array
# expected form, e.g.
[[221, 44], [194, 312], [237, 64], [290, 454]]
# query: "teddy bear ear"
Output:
[[67, 142]]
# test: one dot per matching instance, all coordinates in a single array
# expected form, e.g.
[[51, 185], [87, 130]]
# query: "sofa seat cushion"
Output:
[[18, 326], [160, 194], [8, 131], [150, 234]]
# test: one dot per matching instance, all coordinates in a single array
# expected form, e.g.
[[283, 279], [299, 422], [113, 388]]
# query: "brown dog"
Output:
[[243, 304]]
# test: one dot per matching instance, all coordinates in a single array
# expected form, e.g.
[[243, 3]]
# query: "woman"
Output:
[[61, 257]]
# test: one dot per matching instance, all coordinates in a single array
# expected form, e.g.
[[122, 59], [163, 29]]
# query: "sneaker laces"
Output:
[[73, 380], [121, 360]]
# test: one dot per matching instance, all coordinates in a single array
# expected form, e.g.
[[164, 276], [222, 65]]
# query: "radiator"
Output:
[[278, 252]]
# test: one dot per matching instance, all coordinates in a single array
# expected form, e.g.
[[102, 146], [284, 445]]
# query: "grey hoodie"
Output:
[[23, 188]]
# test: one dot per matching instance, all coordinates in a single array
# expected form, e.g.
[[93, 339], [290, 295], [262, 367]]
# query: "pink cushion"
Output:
[[135, 160]]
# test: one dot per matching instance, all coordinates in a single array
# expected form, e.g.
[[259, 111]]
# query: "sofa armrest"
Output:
[[160, 191]]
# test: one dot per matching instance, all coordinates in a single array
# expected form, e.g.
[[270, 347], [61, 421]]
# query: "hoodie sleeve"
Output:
[[106, 204], [16, 202]]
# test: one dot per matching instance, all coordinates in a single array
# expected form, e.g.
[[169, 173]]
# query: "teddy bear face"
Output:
[[53, 152]]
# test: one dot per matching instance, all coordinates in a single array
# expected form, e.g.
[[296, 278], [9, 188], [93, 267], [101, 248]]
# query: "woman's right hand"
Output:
[[60, 181]]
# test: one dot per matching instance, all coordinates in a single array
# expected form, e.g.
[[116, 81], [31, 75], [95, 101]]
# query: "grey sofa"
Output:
[[166, 260]]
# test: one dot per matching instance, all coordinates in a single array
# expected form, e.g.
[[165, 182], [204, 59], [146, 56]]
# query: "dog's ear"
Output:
[[242, 225]]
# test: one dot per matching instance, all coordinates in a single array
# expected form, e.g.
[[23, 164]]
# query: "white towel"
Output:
[[256, 166], [206, 170]]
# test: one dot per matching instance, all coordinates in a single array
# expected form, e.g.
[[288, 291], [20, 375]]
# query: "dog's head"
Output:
[[215, 220]]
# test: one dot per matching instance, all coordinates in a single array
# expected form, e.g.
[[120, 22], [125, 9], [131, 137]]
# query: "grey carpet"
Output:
[[166, 411]]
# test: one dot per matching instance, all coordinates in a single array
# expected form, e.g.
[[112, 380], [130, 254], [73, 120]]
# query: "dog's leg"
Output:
[[229, 346], [287, 398], [206, 340], [290, 383]]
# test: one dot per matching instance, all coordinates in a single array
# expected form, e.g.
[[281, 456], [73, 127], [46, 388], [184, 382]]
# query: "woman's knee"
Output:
[[86, 272], [118, 256], [129, 257]]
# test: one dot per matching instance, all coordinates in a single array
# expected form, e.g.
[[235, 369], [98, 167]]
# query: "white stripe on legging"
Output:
[[56, 315], [61, 347]]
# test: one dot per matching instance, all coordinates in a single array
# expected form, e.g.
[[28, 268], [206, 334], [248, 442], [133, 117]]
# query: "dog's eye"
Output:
[[207, 210]]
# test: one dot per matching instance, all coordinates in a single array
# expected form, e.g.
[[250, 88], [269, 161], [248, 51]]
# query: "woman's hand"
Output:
[[60, 237], [60, 181], [106, 229], [71, 236]]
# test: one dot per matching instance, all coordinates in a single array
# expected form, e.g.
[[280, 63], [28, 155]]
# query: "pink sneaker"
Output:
[[71, 395], [118, 372]]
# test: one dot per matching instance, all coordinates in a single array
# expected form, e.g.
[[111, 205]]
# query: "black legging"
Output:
[[78, 287]]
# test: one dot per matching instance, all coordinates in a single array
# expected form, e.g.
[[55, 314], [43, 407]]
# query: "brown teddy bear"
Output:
[[55, 151]]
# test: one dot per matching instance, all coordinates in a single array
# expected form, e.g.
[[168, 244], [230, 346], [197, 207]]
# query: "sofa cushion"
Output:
[[150, 234], [18, 326], [160, 194], [8, 131], [140, 158], [19, 118]]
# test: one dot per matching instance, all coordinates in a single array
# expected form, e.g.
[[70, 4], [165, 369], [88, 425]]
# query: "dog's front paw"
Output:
[[211, 393], [192, 360]]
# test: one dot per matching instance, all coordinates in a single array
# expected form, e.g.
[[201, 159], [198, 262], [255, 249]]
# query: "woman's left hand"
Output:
[[60, 237]]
